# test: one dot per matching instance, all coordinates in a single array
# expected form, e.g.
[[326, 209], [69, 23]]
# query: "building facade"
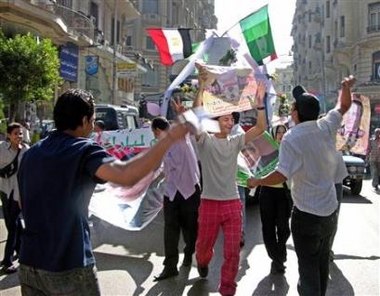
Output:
[[335, 38], [99, 40]]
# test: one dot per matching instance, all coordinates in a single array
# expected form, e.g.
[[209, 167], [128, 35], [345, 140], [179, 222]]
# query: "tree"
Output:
[[29, 71]]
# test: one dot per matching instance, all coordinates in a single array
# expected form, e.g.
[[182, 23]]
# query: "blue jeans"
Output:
[[75, 282]]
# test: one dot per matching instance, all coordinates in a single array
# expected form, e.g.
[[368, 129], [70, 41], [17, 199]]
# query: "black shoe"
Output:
[[9, 269], [165, 274], [187, 260], [203, 271], [242, 241]]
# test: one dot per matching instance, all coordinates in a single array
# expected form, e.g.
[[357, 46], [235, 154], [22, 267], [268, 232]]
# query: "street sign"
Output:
[[126, 69]]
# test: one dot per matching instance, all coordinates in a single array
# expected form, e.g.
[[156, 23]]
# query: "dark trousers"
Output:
[[180, 215], [11, 212], [312, 236], [275, 213]]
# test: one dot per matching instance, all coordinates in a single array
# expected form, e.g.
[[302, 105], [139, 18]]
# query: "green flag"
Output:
[[258, 35]]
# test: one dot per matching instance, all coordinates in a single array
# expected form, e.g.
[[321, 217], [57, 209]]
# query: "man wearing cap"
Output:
[[308, 156]]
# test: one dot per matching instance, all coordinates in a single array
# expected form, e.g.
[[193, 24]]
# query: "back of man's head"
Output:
[[306, 104], [160, 123], [71, 107]]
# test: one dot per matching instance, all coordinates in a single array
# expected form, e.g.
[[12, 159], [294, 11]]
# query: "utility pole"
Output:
[[114, 70]]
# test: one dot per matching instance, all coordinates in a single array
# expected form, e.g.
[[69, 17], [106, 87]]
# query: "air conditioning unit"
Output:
[[153, 16]]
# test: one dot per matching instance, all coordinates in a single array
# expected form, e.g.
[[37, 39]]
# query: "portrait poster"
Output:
[[260, 157], [229, 89], [353, 134]]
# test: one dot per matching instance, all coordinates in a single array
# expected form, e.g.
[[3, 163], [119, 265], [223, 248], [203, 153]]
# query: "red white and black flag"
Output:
[[172, 44]]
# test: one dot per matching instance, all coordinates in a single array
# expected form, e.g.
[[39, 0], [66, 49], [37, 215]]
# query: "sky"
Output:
[[230, 12]]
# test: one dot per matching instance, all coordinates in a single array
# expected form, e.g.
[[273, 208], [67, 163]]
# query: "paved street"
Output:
[[127, 261]]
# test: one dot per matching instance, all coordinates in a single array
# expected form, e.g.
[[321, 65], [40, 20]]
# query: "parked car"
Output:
[[356, 173], [117, 117]]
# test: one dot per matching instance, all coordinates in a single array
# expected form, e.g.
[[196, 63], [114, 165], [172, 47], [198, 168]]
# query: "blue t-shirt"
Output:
[[56, 180]]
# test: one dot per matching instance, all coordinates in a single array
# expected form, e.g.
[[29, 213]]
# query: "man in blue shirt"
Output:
[[57, 178]]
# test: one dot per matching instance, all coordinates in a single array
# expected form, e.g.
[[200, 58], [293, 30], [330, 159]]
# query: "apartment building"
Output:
[[335, 38], [103, 44]]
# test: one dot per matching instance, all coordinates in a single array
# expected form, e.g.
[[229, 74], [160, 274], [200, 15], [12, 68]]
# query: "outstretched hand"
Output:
[[260, 93], [348, 81], [177, 105]]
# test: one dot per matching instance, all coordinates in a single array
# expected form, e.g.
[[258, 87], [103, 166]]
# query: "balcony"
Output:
[[373, 29], [49, 20]]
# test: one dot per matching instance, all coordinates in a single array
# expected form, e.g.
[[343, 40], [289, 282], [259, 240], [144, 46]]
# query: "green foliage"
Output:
[[29, 69]]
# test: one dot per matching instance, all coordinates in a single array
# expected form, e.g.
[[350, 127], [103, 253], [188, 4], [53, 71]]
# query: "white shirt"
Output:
[[7, 154], [309, 157]]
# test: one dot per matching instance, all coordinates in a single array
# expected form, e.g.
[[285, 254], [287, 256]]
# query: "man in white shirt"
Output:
[[308, 156]]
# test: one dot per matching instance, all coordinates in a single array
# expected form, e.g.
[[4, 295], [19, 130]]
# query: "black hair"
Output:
[[13, 126], [100, 124], [236, 116], [275, 128], [71, 107], [160, 123]]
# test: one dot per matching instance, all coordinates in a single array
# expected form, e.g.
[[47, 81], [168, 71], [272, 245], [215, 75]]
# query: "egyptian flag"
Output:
[[172, 44]]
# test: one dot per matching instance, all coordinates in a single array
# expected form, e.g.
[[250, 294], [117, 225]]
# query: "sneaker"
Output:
[[203, 271]]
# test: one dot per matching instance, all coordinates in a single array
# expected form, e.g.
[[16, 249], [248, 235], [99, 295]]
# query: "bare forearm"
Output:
[[259, 128], [198, 101], [130, 172], [271, 179], [344, 100]]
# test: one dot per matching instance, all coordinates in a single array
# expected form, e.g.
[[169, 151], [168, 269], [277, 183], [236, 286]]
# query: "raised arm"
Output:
[[130, 172], [202, 78], [344, 100], [261, 122]]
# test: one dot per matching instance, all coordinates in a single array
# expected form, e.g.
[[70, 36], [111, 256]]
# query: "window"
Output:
[[328, 44], [94, 12], [128, 40], [376, 66], [150, 44], [150, 7], [150, 78], [342, 26], [374, 17], [309, 41], [327, 9], [113, 31]]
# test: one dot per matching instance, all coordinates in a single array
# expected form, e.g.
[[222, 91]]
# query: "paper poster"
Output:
[[130, 208], [230, 90], [353, 135], [261, 155]]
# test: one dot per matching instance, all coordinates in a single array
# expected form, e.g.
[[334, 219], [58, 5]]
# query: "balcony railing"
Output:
[[373, 29], [74, 20]]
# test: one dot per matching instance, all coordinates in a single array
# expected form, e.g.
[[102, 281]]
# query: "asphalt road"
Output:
[[127, 261]]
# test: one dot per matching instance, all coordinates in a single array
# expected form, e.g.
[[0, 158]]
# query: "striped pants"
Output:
[[214, 214]]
